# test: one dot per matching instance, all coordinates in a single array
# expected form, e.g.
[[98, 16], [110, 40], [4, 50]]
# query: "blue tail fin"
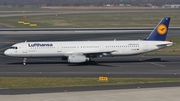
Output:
[[160, 31]]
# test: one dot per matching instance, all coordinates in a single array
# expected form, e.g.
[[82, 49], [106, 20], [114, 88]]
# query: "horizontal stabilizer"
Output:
[[165, 44]]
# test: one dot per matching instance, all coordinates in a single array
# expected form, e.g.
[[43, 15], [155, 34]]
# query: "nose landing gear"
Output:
[[24, 61]]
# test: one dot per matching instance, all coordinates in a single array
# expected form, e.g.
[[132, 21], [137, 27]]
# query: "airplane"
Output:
[[86, 51]]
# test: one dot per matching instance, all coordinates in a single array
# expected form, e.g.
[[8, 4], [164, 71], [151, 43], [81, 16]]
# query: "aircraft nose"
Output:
[[7, 52]]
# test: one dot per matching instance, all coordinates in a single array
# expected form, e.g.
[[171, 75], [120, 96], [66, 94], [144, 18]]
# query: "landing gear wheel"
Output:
[[24, 61], [91, 62]]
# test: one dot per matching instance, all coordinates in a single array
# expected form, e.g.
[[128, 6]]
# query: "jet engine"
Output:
[[77, 58]]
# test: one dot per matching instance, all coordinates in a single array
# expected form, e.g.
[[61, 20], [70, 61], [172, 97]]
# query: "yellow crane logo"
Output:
[[162, 29]]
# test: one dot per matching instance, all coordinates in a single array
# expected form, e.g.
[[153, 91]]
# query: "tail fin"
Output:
[[160, 31]]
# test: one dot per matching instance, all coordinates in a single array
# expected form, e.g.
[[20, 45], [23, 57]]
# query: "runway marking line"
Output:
[[7, 46], [156, 64], [9, 42], [4, 48]]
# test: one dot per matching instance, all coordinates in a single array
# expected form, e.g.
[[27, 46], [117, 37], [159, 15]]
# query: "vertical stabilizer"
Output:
[[160, 31]]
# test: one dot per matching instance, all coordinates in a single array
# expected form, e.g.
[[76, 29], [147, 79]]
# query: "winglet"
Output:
[[160, 31]]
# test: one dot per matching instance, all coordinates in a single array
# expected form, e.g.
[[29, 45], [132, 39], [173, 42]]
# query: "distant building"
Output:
[[127, 5], [121, 5], [108, 5], [171, 6]]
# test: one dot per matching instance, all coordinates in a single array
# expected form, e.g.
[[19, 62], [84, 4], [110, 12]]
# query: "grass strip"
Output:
[[48, 82], [100, 20]]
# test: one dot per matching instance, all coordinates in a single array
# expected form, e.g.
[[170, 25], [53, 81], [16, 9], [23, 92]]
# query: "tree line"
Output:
[[85, 2]]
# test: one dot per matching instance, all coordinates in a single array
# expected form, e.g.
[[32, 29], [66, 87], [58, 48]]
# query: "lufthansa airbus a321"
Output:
[[85, 51]]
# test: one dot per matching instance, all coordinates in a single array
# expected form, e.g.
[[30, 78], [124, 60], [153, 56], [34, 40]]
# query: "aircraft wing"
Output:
[[98, 52], [91, 52]]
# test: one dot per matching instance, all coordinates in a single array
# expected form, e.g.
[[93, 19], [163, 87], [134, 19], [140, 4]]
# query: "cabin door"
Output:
[[24, 48], [59, 48], [101, 47], [145, 46]]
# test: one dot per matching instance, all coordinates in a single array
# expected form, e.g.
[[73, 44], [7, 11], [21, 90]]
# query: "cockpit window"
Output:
[[13, 47]]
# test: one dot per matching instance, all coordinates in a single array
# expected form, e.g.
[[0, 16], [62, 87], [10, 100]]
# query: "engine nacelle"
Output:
[[77, 58]]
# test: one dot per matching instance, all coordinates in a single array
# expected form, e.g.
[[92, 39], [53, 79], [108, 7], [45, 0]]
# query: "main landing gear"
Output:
[[91, 62], [24, 61]]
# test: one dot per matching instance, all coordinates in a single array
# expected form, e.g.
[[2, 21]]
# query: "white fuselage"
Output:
[[66, 48]]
